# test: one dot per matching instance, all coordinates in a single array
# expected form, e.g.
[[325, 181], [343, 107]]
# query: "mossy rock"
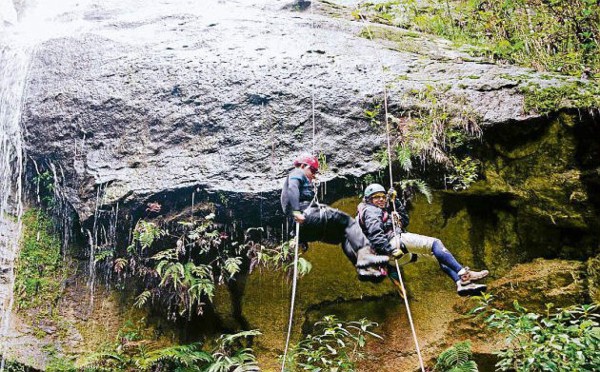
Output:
[[534, 284]]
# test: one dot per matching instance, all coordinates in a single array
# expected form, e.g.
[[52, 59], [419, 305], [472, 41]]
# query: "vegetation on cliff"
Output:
[[546, 35], [41, 270]]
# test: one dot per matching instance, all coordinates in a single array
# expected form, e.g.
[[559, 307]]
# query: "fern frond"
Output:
[[404, 155], [457, 356], [418, 185], [183, 355], [142, 299], [228, 339], [232, 266]]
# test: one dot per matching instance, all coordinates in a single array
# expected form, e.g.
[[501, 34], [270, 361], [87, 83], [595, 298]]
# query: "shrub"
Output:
[[559, 340], [335, 346]]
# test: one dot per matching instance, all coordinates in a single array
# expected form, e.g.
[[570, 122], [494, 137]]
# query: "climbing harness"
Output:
[[389, 154]]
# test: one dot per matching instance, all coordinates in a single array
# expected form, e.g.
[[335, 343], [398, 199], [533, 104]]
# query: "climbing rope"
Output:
[[315, 201], [293, 301], [395, 213]]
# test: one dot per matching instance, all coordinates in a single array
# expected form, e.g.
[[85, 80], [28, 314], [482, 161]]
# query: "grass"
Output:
[[557, 36]]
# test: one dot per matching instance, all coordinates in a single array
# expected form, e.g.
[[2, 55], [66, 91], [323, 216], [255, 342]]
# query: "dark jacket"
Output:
[[297, 192], [376, 224]]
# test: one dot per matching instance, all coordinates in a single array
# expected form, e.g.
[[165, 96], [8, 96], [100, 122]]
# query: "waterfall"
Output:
[[14, 63]]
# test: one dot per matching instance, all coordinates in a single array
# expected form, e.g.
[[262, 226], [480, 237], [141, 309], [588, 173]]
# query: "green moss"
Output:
[[593, 270], [404, 41], [40, 269], [570, 95]]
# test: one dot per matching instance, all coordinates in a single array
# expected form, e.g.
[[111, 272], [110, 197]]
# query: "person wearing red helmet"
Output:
[[319, 222]]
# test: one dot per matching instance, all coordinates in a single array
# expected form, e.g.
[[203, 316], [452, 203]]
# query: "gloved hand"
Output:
[[392, 194], [397, 220], [399, 252]]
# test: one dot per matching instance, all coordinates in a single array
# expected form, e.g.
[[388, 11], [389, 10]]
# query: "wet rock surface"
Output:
[[177, 95]]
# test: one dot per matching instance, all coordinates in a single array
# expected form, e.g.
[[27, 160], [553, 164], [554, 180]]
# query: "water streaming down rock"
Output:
[[13, 70], [19, 38]]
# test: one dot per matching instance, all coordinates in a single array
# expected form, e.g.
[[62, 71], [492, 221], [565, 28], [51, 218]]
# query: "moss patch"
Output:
[[570, 95], [40, 269]]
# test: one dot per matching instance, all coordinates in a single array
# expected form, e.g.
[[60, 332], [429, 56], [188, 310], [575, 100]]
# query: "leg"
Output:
[[445, 258], [451, 273], [349, 251], [425, 245]]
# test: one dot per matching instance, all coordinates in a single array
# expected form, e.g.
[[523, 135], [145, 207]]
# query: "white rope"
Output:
[[314, 201], [294, 281], [389, 154], [312, 26], [410, 321]]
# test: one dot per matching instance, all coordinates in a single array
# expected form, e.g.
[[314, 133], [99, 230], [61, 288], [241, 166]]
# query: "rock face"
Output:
[[170, 97]]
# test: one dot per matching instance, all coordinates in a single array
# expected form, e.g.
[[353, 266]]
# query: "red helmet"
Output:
[[307, 159]]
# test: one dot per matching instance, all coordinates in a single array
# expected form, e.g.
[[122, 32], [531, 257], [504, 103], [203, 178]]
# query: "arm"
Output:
[[373, 221], [293, 198], [404, 218]]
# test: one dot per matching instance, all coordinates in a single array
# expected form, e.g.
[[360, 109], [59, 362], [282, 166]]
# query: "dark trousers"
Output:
[[333, 226]]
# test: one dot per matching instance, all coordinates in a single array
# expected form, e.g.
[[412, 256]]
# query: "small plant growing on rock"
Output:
[[183, 277], [558, 340], [135, 352], [278, 258], [457, 359], [335, 345]]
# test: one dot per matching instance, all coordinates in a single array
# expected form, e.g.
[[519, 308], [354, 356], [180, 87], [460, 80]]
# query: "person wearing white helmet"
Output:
[[375, 218], [319, 222]]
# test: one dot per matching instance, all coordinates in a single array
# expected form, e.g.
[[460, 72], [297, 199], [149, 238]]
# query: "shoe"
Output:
[[467, 275], [371, 274], [471, 289], [365, 257]]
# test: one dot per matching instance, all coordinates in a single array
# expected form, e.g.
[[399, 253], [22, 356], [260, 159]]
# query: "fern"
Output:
[[120, 264], [404, 154], [457, 359], [230, 338], [180, 355], [417, 185], [167, 254], [232, 266], [146, 232], [101, 359], [142, 299], [304, 266], [224, 360]]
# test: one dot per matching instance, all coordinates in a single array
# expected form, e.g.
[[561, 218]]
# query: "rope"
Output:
[[312, 94], [395, 213], [294, 281], [313, 202], [410, 321]]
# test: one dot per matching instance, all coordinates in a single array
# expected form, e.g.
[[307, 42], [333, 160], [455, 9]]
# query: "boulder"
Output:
[[137, 101]]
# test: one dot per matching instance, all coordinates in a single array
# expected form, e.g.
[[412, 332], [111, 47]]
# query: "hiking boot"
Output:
[[470, 289], [365, 257], [467, 275]]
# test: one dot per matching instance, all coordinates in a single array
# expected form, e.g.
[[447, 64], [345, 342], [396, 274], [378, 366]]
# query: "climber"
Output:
[[319, 222], [375, 215]]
